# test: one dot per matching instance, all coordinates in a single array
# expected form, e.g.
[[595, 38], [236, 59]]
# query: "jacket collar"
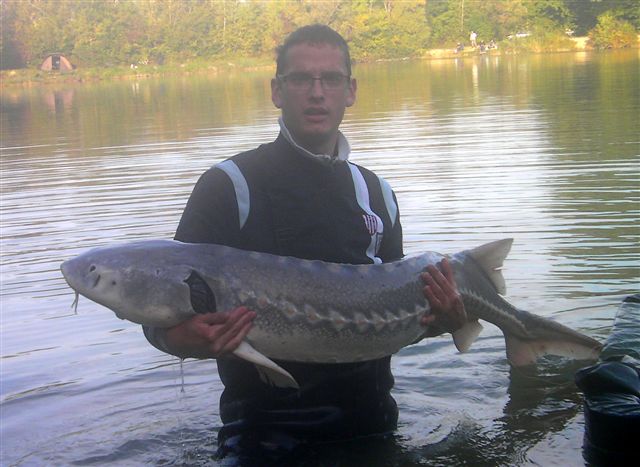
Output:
[[343, 145]]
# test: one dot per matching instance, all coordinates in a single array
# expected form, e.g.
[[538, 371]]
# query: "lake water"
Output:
[[544, 149]]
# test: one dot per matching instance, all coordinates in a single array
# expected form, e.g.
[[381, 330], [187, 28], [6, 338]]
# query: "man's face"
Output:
[[313, 114]]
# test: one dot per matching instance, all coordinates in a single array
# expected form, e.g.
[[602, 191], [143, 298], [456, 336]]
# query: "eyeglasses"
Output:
[[300, 81]]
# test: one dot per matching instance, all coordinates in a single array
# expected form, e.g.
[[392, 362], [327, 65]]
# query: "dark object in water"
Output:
[[612, 393]]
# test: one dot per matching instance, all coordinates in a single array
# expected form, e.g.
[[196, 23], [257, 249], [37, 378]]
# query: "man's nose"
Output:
[[316, 90]]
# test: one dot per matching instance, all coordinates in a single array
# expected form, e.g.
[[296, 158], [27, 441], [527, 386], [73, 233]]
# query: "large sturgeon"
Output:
[[312, 311]]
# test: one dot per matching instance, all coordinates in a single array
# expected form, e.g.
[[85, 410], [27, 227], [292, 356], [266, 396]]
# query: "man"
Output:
[[299, 196], [473, 38]]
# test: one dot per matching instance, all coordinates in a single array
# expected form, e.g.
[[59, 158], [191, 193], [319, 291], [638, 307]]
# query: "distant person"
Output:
[[459, 47], [472, 38], [300, 196]]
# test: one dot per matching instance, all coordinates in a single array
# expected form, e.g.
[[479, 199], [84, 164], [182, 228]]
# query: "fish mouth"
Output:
[[67, 272]]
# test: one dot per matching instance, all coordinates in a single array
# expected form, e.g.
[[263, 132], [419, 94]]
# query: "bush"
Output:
[[550, 41], [612, 33], [540, 40]]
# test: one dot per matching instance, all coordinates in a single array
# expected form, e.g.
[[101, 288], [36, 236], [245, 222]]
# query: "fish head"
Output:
[[142, 282]]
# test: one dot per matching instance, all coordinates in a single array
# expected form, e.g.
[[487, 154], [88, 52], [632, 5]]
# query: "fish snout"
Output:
[[82, 276], [70, 272]]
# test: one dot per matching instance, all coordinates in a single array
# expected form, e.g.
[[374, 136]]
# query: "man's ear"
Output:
[[351, 92], [276, 90]]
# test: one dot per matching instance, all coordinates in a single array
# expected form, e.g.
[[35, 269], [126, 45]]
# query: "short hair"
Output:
[[312, 34]]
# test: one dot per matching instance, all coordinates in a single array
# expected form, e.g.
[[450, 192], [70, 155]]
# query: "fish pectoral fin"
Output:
[[269, 372], [525, 352], [466, 335], [275, 378]]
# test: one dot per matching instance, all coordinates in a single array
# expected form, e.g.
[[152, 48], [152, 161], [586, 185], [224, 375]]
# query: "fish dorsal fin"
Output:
[[490, 257]]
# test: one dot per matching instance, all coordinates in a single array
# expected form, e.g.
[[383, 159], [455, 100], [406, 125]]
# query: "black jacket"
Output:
[[287, 203]]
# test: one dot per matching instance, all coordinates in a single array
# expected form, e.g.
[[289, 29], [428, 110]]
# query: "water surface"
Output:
[[544, 149]]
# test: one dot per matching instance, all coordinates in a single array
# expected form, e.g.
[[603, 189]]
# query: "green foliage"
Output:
[[122, 32], [453, 20], [555, 13], [611, 32], [398, 30], [587, 12], [547, 39], [446, 19]]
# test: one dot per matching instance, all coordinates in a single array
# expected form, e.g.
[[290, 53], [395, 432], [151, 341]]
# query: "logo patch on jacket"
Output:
[[371, 222]]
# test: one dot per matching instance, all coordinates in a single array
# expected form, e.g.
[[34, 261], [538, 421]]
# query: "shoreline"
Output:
[[580, 44], [28, 77]]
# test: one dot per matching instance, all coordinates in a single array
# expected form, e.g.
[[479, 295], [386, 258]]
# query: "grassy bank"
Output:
[[31, 77]]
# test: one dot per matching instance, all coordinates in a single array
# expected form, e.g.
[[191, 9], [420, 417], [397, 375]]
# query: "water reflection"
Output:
[[543, 149]]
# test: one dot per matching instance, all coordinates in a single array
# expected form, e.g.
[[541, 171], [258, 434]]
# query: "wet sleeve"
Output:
[[210, 216]]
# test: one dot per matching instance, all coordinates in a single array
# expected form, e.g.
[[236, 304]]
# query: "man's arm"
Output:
[[210, 217], [210, 335]]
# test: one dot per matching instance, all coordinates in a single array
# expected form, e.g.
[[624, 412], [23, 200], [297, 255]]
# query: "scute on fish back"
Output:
[[311, 311]]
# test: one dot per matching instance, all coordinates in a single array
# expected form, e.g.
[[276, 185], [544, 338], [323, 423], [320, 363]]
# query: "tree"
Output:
[[112, 32], [612, 32], [11, 54]]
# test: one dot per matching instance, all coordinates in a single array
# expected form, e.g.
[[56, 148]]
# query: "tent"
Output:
[[56, 62]]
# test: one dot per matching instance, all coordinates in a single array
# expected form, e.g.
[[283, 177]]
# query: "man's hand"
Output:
[[447, 309], [210, 335]]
